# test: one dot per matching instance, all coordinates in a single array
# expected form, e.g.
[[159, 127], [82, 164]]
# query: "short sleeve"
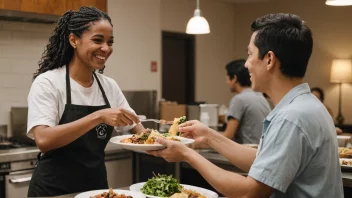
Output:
[[237, 109], [282, 153], [122, 103], [42, 105]]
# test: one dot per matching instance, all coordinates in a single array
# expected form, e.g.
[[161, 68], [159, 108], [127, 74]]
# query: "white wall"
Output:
[[21, 46], [213, 51], [137, 43]]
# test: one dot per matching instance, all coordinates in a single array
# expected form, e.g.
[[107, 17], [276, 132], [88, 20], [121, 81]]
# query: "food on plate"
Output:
[[173, 131], [346, 162], [148, 136], [162, 186], [192, 193], [345, 152], [166, 186], [111, 194], [179, 195]]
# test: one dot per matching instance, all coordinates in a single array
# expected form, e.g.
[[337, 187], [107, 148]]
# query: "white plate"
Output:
[[346, 167], [207, 193], [96, 192], [144, 147]]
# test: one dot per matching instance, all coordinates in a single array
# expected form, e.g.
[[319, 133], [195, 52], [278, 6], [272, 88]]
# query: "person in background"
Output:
[[319, 93], [247, 108], [297, 155], [72, 110]]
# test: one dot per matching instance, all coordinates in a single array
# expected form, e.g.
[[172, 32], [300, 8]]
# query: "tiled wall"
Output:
[[21, 46]]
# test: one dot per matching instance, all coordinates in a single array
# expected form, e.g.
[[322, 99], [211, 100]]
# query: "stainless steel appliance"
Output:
[[119, 169], [15, 177], [143, 103], [194, 112], [17, 156]]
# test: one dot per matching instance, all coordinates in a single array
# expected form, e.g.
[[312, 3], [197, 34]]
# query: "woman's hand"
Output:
[[118, 117], [195, 130], [174, 151]]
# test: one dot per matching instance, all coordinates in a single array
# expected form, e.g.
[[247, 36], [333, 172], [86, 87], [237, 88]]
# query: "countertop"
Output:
[[30, 153]]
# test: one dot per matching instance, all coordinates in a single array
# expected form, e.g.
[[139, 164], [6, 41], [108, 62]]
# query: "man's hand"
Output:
[[195, 130], [174, 151]]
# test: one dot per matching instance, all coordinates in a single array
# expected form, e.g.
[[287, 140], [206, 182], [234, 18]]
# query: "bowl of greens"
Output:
[[162, 185]]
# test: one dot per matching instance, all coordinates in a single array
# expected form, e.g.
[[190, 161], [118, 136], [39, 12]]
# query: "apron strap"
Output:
[[101, 89], [68, 87]]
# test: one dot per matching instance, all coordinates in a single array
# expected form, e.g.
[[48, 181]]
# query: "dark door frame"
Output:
[[190, 78]]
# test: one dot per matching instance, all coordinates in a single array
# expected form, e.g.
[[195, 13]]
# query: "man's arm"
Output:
[[231, 128], [239, 155], [228, 183]]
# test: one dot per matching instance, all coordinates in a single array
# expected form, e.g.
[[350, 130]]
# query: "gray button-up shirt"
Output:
[[297, 154]]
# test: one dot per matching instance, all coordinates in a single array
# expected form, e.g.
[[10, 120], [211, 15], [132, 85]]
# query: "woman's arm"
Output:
[[49, 138]]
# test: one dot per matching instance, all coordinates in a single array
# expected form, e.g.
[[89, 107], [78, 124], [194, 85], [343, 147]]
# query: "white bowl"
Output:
[[342, 140]]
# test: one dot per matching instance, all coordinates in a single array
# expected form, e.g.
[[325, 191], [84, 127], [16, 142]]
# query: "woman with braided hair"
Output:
[[72, 110]]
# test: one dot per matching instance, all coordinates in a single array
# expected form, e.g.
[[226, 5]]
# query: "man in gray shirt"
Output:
[[247, 108]]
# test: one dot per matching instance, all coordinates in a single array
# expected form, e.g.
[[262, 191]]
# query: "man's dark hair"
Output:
[[320, 91], [237, 68], [288, 37]]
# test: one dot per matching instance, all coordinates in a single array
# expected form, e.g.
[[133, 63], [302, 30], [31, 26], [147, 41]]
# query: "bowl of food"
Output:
[[342, 140], [166, 186]]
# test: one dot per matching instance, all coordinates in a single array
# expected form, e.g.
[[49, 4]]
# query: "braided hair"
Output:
[[58, 51]]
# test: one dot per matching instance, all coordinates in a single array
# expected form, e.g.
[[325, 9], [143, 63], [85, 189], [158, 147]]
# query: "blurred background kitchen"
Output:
[[163, 71]]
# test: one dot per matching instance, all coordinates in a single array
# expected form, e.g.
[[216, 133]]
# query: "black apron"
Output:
[[78, 166]]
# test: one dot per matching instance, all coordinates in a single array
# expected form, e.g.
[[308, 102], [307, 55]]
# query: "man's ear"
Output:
[[234, 80], [271, 60], [73, 40]]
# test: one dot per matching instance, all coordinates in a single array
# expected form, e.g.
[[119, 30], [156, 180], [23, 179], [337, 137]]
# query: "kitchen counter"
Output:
[[30, 153]]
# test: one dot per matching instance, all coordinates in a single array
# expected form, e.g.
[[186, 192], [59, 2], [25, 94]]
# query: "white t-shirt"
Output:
[[47, 98]]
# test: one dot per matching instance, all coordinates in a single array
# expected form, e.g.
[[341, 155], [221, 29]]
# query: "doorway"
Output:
[[178, 73]]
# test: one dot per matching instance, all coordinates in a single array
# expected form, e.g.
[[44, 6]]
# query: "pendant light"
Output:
[[338, 2], [197, 24]]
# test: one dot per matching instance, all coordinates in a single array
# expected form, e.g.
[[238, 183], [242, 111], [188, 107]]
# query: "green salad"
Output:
[[161, 186]]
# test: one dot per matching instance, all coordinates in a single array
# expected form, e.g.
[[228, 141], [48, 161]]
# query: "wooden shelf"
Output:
[[54, 7]]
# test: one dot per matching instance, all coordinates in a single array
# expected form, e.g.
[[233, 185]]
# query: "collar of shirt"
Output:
[[288, 98], [246, 90]]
